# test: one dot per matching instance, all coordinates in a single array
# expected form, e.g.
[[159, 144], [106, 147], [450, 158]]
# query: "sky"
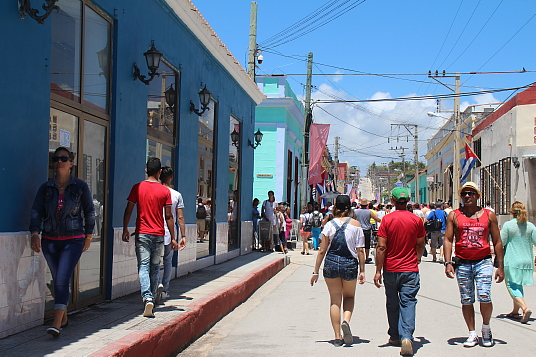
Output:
[[392, 45]]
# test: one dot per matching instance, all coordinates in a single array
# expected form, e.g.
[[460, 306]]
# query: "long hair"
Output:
[[519, 211], [348, 212]]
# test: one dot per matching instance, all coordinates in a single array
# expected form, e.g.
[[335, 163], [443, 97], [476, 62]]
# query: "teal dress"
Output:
[[518, 238]]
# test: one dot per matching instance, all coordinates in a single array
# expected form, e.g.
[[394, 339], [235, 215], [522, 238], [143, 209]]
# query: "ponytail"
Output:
[[519, 211]]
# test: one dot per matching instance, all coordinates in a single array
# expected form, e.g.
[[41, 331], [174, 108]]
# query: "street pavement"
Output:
[[288, 317]]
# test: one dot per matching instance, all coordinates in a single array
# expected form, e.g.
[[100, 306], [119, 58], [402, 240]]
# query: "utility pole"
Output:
[[336, 173], [252, 48], [305, 193], [416, 152], [456, 130]]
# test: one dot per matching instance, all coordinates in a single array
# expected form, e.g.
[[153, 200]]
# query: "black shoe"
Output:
[[54, 332], [347, 333], [338, 343]]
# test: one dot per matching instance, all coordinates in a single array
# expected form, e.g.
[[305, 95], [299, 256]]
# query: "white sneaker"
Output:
[[471, 341], [158, 293], [164, 295], [149, 305], [487, 338]]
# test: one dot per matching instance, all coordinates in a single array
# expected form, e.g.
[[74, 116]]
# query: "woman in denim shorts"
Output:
[[342, 246]]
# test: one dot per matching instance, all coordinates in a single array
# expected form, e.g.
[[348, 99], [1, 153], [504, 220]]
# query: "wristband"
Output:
[[448, 263], [315, 273]]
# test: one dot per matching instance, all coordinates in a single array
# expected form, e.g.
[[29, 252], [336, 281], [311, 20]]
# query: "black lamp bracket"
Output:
[[137, 75], [25, 8], [254, 146], [193, 110]]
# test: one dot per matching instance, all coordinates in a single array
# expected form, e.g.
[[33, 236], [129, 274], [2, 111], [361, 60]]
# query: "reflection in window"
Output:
[[205, 152], [233, 193]]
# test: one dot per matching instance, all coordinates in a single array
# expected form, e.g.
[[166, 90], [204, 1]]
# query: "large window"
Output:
[[495, 183], [233, 206], [205, 179]]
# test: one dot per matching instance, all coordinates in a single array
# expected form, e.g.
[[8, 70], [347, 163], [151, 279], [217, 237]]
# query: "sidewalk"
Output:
[[116, 328]]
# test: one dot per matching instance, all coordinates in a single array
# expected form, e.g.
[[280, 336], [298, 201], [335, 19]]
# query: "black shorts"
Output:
[[368, 234]]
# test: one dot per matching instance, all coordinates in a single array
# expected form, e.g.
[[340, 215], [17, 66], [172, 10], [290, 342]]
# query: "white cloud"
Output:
[[337, 79]]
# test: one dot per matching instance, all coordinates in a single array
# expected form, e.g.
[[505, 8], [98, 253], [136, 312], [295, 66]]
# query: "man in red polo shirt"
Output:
[[151, 197], [399, 251]]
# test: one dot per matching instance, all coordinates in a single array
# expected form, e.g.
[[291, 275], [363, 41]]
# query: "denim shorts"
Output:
[[340, 267], [470, 274]]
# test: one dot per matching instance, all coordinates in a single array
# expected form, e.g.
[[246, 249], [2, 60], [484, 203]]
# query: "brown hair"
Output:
[[342, 212], [519, 211], [62, 148]]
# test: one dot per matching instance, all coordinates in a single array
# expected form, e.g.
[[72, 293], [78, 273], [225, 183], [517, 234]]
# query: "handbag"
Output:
[[433, 225]]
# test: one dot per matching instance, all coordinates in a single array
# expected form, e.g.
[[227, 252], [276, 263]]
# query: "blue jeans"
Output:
[[149, 249], [401, 289], [62, 257], [478, 273], [168, 259], [316, 237]]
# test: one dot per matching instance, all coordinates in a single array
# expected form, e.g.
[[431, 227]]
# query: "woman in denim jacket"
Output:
[[63, 213]]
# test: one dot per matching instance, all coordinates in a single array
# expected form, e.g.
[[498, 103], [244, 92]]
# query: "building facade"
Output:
[[81, 65], [280, 117]]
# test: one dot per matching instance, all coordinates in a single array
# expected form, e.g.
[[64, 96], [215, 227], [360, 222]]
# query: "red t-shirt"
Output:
[[472, 242], [401, 230], [151, 197]]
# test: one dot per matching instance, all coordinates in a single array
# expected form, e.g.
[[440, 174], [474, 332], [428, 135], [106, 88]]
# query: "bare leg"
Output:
[[433, 252], [58, 317], [519, 302], [468, 312], [348, 293], [335, 288], [305, 248], [367, 252]]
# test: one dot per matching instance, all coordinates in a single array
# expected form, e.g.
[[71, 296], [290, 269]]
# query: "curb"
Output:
[[175, 335]]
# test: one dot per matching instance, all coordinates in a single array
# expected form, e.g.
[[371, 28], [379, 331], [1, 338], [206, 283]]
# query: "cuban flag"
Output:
[[320, 191], [469, 162]]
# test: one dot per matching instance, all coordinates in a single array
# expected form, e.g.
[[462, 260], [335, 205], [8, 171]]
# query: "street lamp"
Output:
[[258, 138], [152, 57], [204, 99], [432, 114]]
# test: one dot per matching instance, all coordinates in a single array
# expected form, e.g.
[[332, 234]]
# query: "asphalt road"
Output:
[[288, 317]]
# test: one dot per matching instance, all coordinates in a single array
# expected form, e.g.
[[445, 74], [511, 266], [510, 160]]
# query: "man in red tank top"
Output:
[[472, 264]]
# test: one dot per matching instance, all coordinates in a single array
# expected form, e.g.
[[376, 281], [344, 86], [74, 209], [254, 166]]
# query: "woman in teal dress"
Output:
[[518, 236]]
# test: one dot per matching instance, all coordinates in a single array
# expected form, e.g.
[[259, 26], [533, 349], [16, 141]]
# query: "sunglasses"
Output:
[[60, 158], [470, 193]]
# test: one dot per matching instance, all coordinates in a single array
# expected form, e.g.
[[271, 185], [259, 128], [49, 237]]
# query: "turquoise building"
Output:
[[280, 117]]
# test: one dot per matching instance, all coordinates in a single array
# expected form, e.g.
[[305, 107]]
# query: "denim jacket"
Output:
[[77, 216]]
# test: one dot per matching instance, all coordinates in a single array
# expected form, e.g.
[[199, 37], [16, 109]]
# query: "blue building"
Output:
[[280, 116], [77, 70]]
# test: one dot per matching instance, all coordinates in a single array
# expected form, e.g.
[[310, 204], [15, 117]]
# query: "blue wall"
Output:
[[25, 90]]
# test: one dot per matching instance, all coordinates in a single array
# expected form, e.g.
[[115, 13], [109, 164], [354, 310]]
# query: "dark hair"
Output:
[[153, 166], [271, 192], [354, 204], [63, 148], [199, 200], [256, 200], [167, 172], [439, 205]]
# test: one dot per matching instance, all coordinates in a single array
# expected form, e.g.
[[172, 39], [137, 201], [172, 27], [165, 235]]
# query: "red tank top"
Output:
[[472, 242]]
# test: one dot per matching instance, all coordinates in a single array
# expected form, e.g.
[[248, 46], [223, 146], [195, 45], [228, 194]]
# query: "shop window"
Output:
[[233, 206]]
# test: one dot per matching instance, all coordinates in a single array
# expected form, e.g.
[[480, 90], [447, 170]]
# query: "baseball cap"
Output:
[[342, 202], [472, 185], [400, 194]]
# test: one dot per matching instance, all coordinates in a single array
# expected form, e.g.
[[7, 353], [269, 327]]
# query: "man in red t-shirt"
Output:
[[151, 198], [399, 251]]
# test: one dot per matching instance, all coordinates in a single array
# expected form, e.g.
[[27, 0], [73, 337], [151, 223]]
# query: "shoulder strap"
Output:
[[335, 224]]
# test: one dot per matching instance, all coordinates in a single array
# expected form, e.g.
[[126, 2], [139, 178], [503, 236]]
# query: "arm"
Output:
[[447, 245], [88, 209], [380, 259], [182, 227], [263, 214], [171, 227], [361, 259], [497, 246], [319, 257], [374, 216], [126, 219], [420, 248], [36, 219]]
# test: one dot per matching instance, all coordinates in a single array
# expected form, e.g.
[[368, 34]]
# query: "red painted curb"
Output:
[[173, 336]]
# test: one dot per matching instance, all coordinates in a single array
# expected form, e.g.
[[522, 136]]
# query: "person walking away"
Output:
[[520, 237], [364, 215], [151, 199], [468, 228], [268, 213], [200, 219], [305, 228], [425, 210], [177, 210], [64, 214], [279, 240], [417, 211], [316, 223], [342, 247], [437, 237], [288, 225], [255, 215], [398, 254]]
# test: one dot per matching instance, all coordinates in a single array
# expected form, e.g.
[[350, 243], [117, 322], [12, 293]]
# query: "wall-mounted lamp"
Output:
[[25, 8], [152, 56], [204, 99], [258, 138], [171, 96], [515, 161], [235, 137]]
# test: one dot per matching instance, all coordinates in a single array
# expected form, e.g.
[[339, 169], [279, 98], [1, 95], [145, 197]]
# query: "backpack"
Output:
[[317, 222], [201, 212], [307, 227]]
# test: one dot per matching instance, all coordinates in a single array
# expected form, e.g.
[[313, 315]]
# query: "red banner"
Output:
[[318, 137]]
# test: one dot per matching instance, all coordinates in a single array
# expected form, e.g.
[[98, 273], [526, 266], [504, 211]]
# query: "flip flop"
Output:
[[512, 315], [526, 316]]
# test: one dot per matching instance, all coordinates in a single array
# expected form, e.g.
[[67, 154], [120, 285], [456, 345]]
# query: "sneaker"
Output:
[[471, 341], [164, 295], [54, 332], [487, 338], [407, 347], [158, 294], [338, 343], [347, 333], [149, 305]]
